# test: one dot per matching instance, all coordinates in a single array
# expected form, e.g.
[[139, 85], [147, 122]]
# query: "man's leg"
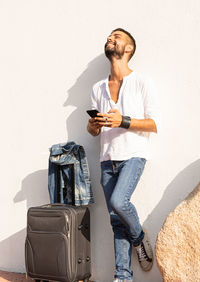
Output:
[[129, 173], [122, 245], [123, 251]]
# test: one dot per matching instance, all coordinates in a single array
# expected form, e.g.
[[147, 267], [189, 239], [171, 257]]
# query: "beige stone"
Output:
[[178, 243]]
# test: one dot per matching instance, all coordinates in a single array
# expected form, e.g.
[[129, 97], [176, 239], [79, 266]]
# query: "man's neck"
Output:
[[118, 70]]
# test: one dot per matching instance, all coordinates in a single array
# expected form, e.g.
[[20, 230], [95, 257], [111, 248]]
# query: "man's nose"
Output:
[[109, 38]]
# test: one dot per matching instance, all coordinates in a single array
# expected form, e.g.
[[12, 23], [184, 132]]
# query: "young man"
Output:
[[128, 113]]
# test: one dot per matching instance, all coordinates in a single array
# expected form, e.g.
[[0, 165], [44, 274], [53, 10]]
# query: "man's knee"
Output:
[[117, 204]]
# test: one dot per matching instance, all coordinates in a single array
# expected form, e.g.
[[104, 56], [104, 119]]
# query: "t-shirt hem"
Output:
[[119, 157]]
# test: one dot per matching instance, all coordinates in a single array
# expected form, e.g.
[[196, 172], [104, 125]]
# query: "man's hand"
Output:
[[112, 119], [93, 127]]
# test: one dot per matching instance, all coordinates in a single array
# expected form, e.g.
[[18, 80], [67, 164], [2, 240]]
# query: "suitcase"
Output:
[[57, 246]]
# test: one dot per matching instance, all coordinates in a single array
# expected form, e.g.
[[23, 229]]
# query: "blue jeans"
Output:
[[119, 180]]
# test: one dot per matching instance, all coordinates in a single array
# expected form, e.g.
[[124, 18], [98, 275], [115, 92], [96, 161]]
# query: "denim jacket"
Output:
[[69, 172]]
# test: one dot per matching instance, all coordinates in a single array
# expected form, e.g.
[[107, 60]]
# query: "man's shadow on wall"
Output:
[[34, 189]]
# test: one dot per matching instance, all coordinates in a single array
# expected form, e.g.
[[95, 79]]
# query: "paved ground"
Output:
[[12, 277]]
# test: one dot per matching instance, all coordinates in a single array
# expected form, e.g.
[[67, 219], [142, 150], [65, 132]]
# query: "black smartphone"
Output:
[[92, 113]]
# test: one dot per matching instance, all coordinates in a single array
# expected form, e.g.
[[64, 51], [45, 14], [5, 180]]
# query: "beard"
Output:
[[113, 51]]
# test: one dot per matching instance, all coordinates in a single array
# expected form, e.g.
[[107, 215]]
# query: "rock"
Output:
[[178, 242]]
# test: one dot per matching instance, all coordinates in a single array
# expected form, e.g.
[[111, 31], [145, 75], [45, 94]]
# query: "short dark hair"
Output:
[[130, 37]]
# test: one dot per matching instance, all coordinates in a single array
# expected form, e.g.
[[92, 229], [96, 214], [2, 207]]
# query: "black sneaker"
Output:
[[145, 254]]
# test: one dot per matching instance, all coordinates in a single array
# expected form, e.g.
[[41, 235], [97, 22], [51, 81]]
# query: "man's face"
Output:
[[115, 45]]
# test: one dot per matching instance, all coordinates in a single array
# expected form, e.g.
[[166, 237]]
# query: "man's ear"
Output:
[[128, 48]]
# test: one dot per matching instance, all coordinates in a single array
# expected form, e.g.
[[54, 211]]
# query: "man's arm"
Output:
[[114, 119], [147, 125], [93, 128]]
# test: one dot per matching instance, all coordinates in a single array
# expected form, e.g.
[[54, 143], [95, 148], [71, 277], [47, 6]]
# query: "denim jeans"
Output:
[[119, 180]]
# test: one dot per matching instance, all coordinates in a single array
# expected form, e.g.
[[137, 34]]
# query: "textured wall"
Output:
[[51, 53]]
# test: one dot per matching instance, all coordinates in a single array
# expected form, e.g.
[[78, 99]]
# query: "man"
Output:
[[127, 114]]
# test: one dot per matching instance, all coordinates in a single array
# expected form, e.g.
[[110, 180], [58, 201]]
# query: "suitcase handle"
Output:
[[53, 205], [58, 204]]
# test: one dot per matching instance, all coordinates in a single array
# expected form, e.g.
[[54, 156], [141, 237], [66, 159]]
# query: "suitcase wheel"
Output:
[[84, 280], [37, 280]]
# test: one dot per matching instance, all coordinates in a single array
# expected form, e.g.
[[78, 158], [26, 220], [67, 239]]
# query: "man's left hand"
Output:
[[112, 119]]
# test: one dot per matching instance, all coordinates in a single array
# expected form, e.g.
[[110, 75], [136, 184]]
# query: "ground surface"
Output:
[[12, 277]]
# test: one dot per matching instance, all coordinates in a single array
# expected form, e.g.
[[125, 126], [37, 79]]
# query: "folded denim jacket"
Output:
[[68, 175]]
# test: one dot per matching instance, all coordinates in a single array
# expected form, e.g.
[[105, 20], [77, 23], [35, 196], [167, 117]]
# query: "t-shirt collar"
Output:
[[124, 78]]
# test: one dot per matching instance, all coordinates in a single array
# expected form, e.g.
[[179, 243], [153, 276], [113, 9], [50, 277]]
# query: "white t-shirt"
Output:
[[137, 100]]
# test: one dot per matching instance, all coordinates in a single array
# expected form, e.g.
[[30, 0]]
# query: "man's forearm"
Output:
[[146, 125]]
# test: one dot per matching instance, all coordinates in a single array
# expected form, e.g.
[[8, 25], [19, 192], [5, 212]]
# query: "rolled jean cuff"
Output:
[[137, 241], [122, 280]]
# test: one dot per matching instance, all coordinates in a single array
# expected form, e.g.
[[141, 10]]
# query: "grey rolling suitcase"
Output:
[[57, 246]]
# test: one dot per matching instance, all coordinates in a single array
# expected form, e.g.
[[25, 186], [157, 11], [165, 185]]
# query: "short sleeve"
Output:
[[151, 104]]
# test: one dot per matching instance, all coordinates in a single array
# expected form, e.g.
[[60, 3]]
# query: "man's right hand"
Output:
[[93, 127]]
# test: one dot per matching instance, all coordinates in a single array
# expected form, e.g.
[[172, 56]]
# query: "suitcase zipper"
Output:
[[51, 211]]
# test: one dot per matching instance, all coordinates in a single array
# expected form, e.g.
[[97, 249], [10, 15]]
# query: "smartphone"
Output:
[[92, 113]]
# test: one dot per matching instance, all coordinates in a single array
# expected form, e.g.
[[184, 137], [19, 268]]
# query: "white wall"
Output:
[[51, 53]]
